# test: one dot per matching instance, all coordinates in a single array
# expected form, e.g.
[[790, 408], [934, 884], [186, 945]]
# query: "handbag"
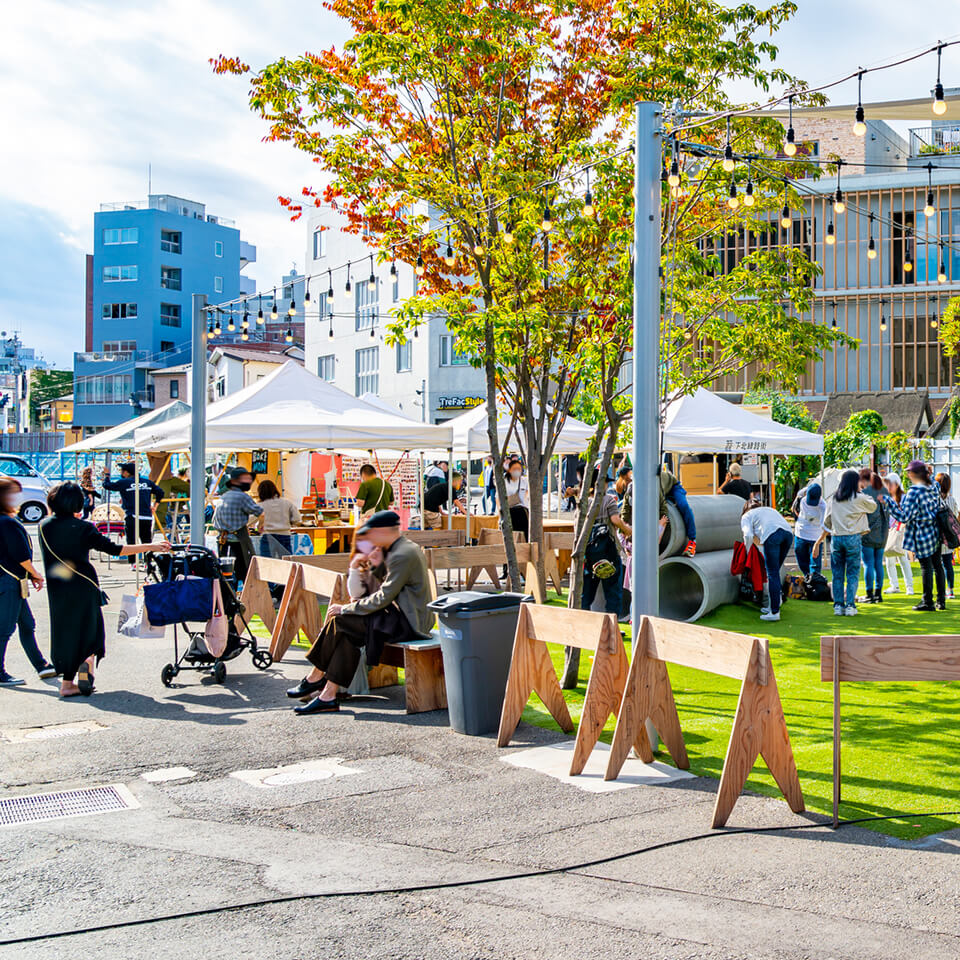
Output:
[[513, 500], [179, 600], [894, 547], [217, 630], [949, 528]]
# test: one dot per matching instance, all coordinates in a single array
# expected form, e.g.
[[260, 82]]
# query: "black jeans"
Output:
[[932, 567], [146, 531], [775, 550]]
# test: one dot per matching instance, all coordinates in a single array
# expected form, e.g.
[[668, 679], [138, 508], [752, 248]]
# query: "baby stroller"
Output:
[[201, 562]]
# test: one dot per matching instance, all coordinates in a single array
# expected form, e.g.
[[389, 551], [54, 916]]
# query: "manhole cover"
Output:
[[67, 803], [294, 773], [52, 731]]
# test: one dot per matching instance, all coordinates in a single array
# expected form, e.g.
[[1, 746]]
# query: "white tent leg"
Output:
[[136, 515]]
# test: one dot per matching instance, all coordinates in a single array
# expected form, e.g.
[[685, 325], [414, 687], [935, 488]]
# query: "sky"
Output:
[[94, 91]]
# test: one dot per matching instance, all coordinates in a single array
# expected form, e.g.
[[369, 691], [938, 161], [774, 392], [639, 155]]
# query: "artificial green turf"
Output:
[[901, 741]]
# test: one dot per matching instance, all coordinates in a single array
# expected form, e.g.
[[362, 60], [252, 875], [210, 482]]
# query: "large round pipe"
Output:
[[718, 524], [691, 587]]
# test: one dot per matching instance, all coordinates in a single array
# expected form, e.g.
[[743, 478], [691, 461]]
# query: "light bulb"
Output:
[[420, 269], [831, 237], [449, 259], [674, 178], [883, 324], [929, 210], [478, 248], [306, 296], [588, 208], [859, 124], [289, 336], [347, 288], [245, 325], [273, 312], [838, 203], [260, 316], [942, 273], [244, 335], [231, 326], [217, 330], [292, 309], [908, 264], [790, 147], [939, 104], [933, 322], [330, 332], [728, 162], [546, 224], [508, 234], [871, 250], [733, 201], [786, 221], [393, 269], [748, 197]]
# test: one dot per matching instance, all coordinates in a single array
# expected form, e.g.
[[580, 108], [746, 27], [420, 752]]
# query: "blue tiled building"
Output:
[[148, 260]]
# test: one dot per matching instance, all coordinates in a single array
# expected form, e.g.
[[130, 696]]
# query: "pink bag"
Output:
[[218, 628]]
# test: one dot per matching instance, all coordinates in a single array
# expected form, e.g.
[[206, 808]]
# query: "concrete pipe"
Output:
[[718, 525], [691, 587]]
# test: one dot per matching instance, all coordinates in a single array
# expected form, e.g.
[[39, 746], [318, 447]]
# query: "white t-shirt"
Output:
[[760, 523], [521, 486], [810, 520]]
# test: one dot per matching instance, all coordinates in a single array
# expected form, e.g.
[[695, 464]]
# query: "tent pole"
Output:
[[107, 465], [136, 515], [198, 420], [469, 514], [715, 474], [423, 525], [449, 489]]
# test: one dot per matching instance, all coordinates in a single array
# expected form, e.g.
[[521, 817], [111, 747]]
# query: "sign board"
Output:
[[459, 403], [402, 474], [258, 461]]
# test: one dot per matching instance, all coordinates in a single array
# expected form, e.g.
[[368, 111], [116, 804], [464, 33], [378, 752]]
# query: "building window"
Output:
[[119, 311], [404, 357], [174, 389], [170, 278], [170, 314], [217, 285], [115, 388], [113, 274], [220, 387], [450, 353], [113, 235], [368, 371], [170, 241], [119, 346], [366, 304], [319, 246], [218, 248], [166, 346], [326, 367]]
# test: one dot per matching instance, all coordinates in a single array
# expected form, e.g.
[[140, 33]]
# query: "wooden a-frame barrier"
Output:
[[895, 659], [532, 670], [759, 727]]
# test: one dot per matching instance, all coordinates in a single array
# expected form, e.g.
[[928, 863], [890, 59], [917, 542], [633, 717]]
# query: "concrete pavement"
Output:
[[396, 801]]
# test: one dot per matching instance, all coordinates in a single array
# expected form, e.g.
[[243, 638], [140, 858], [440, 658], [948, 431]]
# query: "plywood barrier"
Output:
[[300, 605], [873, 658], [759, 727], [491, 556], [255, 595], [532, 671], [550, 569], [561, 546]]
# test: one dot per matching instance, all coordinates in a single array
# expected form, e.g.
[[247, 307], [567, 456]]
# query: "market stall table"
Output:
[[326, 536]]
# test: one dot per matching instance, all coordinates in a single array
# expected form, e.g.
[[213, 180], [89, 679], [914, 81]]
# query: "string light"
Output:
[[748, 198], [674, 176], [217, 329], [449, 259], [546, 224], [883, 319], [210, 331], [728, 162], [934, 320], [330, 287], [871, 246], [838, 203], [273, 309], [420, 270], [908, 256], [790, 147], [930, 209], [834, 324], [830, 239], [588, 208], [859, 123], [292, 309], [289, 336], [260, 310], [231, 326], [306, 295], [373, 276], [508, 233], [733, 201], [785, 219], [942, 272], [393, 269], [330, 331], [244, 335], [478, 249], [347, 288], [246, 315], [939, 104]]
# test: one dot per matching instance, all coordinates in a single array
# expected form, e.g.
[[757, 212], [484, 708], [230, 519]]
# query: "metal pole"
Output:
[[646, 361], [449, 490], [198, 421], [467, 478], [423, 522], [136, 515]]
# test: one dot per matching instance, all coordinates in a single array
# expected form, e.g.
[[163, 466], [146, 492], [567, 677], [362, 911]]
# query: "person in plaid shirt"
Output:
[[918, 510], [231, 518]]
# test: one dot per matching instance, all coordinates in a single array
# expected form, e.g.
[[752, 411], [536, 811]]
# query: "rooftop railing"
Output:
[[935, 141]]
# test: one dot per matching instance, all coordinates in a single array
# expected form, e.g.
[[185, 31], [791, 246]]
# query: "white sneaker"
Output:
[[950, 595], [838, 609], [764, 611], [850, 611], [769, 616]]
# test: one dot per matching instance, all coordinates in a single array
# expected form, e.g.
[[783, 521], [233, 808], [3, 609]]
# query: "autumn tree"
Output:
[[490, 144]]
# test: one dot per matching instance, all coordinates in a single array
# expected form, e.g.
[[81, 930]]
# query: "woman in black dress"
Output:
[[73, 590]]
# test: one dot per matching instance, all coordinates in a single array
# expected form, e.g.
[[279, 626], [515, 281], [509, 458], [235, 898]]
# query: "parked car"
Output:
[[32, 505]]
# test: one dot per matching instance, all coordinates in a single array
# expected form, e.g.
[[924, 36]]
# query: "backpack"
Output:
[[949, 528], [817, 587]]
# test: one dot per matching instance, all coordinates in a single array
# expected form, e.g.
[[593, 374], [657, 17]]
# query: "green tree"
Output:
[[44, 385]]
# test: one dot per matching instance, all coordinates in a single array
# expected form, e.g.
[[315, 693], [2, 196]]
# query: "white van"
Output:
[[32, 505]]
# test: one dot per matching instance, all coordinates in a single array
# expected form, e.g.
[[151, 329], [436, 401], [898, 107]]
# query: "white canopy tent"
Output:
[[291, 409], [470, 432], [121, 437], [706, 423]]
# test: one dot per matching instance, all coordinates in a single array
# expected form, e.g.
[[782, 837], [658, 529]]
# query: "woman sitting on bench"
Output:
[[396, 612]]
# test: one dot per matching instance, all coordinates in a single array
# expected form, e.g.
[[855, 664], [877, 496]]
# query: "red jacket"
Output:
[[752, 563]]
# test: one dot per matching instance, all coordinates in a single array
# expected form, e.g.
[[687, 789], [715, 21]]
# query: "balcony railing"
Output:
[[935, 141], [100, 356]]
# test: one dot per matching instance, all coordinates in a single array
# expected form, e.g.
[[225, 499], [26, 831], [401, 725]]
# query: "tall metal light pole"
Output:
[[198, 420], [646, 361]]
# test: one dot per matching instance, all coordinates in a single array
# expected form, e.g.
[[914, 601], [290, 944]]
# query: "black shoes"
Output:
[[924, 607], [316, 705], [7, 681], [941, 605], [305, 689]]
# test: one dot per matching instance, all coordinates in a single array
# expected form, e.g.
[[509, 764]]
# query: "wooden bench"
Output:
[[488, 537], [422, 663], [488, 557]]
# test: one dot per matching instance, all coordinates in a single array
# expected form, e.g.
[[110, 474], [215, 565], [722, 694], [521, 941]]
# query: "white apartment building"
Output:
[[427, 378]]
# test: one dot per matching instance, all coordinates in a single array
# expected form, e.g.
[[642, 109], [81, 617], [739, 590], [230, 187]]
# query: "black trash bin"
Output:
[[476, 638]]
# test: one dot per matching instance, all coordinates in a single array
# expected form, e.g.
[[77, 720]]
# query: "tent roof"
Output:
[[121, 437], [470, 432], [704, 423], [291, 409]]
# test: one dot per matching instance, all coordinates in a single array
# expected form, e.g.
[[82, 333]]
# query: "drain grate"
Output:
[[68, 803]]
